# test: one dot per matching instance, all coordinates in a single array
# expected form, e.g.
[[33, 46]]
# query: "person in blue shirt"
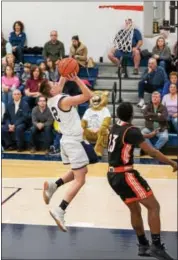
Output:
[[17, 39], [124, 48], [153, 79]]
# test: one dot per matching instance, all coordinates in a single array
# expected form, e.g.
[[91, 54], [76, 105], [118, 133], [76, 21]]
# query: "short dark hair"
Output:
[[45, 89], [20, 24], [125, 111], [75, 37], [41, 96]]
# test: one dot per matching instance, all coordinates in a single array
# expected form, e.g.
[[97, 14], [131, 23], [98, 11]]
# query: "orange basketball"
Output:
[[68, 66]]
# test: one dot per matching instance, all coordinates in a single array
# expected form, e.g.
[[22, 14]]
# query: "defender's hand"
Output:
[[174, 166]]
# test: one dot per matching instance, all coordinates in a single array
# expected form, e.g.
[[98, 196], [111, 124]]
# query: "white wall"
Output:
[[96, 27]]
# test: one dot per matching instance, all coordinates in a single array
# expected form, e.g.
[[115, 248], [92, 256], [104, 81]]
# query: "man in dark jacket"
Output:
[[156, 115], [152, 80], [15, 123], [54, 49], [42, 121]]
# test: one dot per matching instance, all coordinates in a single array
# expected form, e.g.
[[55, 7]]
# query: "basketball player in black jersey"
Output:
[[129, 185]]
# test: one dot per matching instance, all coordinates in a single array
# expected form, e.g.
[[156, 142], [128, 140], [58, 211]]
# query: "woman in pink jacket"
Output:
[[9, 83]]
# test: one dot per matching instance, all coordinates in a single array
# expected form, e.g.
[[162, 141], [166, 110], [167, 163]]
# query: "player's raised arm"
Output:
[[69, 101], [158, 155]]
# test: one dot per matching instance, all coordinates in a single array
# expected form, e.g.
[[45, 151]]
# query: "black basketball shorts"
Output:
[[130, 186]]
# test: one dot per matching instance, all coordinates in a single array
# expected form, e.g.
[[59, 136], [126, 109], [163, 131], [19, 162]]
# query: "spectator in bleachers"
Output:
[[173, 76], [9, 83], [55, 148], [10, 60], [17, 39], [78, 51], [6, 48], [32, 86], [156, 116], [162, 53], [153, 79], [44, 71], [122, 40], [170, 101], [26, 74], [15, 123], [42, 121], [54, 49], [53, 74]]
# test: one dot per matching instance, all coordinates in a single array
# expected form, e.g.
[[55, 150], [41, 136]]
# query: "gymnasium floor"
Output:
[[98, 221]]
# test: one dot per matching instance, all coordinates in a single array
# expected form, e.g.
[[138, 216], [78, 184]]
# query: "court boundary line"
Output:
[[10, 196]]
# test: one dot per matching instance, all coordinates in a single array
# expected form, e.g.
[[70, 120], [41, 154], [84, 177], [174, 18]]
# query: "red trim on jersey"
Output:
[[125, 154], [137, 188]]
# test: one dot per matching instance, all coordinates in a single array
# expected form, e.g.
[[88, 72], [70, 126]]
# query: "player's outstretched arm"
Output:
[[69, 101], [158, 155]]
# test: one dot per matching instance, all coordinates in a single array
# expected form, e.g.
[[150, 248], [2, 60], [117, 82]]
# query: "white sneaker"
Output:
[[48, 191], [58, 215], [143, 107], [141, 103]]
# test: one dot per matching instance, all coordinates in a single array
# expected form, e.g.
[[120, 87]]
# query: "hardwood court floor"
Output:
[[98, 221]]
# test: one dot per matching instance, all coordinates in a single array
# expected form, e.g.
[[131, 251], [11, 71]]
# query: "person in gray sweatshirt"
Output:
[[162, 53]]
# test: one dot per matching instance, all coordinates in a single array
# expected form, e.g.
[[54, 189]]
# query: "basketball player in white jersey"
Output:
[[64, 111]]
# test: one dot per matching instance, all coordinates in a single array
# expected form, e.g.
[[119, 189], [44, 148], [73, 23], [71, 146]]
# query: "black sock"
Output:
[[142, 240], [59, 182], [64, 205], [156, 239]]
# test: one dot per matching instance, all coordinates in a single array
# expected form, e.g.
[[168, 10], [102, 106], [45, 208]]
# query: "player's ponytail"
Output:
[[45, 89]]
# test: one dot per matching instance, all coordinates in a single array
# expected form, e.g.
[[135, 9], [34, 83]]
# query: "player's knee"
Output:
[[135, 208]]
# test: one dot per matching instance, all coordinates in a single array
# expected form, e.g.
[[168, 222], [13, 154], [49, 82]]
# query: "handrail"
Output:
[[114, 94]]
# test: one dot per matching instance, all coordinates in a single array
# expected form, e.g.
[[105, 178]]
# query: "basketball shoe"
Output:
[[58, 215], [48, 191], [159, 252]]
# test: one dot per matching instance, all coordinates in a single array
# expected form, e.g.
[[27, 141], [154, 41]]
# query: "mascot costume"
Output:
[[96, 122]]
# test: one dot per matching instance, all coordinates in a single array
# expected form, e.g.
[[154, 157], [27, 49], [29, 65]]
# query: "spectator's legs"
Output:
[[57, 140], [146, 131], [34, 133], [141, 90], [136, 58], [21, 88], [162, 139], [162, 64], [7, 137], [48, 136], [19, 135], [19, 54], [175, 123], [31, 101], [113, 58], [6, 97]]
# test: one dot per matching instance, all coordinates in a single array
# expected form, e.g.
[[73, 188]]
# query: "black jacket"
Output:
[[21, 117]]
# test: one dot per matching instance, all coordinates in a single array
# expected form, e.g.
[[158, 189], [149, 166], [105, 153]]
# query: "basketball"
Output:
[[68, 66]]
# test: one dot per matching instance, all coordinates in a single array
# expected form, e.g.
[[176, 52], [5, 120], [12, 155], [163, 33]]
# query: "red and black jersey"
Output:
[[123, 138]]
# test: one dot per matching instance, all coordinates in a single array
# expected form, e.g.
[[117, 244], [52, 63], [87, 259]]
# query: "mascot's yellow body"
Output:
[[96, 121]]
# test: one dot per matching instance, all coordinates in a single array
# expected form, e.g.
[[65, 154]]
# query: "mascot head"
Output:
[[99, 100]]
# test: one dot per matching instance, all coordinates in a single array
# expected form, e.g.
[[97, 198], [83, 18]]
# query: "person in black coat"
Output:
[[15, 123]]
